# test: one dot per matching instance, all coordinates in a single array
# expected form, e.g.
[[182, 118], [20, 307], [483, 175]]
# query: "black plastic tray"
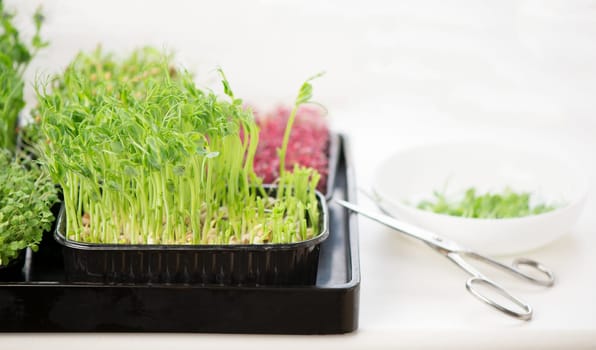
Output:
[[223, 264], [333, 150], [43, 301], [14, 269]]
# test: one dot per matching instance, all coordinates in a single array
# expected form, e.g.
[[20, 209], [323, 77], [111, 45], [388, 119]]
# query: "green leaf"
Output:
[[305, 93], [226, 84]]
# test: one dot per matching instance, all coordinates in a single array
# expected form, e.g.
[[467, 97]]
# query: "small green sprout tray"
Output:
[[42, 301]]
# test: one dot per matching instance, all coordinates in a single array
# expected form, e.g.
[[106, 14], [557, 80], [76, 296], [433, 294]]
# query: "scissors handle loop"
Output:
[[549, 276], [522, 310], [534, 271]]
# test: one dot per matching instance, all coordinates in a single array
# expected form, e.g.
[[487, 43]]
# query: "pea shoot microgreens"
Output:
[[508, 204], [145, 157], [15, 56]]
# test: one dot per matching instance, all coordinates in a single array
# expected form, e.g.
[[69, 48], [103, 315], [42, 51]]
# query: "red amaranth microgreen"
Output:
[[145, 157], [308, 144]]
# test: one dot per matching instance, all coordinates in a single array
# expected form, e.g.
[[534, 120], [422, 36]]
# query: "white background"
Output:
[[398, 74]]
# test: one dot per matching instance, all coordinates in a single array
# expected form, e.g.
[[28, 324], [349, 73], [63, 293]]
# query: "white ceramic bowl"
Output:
[[412, 175]]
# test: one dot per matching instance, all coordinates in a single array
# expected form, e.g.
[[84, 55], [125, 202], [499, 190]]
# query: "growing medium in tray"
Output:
[[145, 157]]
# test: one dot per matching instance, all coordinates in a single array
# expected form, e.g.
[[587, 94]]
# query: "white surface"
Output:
[[405, 178], [399, 74]]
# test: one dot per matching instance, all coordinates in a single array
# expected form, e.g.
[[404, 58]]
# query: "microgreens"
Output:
[[508, 204], [145, 157], [26, 196], [15, 55], [304, 96]]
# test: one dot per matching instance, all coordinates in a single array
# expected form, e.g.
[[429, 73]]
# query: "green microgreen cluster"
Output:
[[15, 55], [26, 192], [145, 157], [26, 196], [103, 74], [508, 204]]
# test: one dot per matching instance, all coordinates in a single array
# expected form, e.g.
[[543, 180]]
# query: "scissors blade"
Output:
[[430, 238]]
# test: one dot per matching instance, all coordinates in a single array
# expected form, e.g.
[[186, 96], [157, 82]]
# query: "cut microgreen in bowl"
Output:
[[545, 197], [145, 157], [506, 204]]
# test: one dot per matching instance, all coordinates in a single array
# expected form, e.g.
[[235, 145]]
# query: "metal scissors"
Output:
[[457, 254]]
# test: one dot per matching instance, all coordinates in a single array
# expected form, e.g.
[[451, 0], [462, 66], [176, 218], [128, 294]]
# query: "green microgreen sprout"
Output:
[[298, 187], [508, 204], [304, 96], [145, 157]]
